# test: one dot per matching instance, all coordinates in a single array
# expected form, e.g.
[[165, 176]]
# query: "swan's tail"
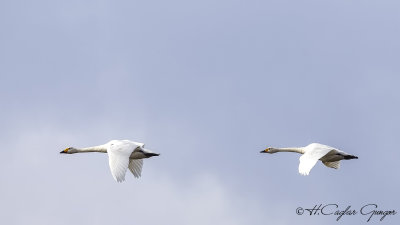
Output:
[[149, 153], [350, 157]]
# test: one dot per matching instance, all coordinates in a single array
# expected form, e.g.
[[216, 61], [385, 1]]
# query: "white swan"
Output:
[[329, 156], [122, 154]]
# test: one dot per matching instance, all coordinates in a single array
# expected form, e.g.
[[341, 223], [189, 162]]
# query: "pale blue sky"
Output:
[[208, 84]]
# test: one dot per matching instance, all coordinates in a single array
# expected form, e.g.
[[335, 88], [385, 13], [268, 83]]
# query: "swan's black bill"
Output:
[[263, 151], [63, 152]]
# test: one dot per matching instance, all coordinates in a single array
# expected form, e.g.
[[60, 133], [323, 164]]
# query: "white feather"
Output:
[[118, 155], [135, 166], [335, 165], [312, 153]]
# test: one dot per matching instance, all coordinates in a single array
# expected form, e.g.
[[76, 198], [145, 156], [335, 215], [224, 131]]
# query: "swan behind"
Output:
[[313, 152]]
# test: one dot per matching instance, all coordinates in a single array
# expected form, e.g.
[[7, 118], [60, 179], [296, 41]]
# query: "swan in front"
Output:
[[122, 155], [329, 156]]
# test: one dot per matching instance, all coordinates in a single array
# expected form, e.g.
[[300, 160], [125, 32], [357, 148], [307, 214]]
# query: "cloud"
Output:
[[46, 187]]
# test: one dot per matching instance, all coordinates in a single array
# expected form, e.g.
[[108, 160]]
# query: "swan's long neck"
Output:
[[99, 148], [298, 150]]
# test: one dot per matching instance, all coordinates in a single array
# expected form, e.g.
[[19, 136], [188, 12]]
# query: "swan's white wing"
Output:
[[335, 165], [135, 166], [310, 158], [118, 158]]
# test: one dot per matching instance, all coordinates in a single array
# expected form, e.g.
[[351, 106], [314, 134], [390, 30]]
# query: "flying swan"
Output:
[[122, 155], [329, 156]]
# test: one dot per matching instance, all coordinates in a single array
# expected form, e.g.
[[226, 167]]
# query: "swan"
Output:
[[122, 155], [313, 152]]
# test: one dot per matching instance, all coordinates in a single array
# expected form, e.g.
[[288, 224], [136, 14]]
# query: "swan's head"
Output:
[[269, 150], [70, 150]]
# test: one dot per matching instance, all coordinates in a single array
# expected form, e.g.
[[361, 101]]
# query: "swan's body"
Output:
[[329, 156], [122, 154]]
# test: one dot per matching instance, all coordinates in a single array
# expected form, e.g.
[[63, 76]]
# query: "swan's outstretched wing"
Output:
[[310, 158], [135, 166], [335, 164], [118, 158]]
